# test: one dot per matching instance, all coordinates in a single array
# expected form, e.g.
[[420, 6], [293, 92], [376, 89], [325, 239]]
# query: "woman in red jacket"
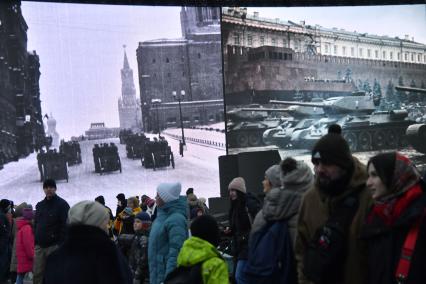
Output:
[[24, 244], [396, 219]]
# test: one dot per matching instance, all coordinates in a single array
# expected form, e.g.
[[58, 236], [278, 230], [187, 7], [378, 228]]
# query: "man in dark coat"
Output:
[[5, 249], [49, 227], [88, 255]]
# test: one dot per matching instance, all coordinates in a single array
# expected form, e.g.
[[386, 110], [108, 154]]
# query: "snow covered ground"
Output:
[[199, 168]]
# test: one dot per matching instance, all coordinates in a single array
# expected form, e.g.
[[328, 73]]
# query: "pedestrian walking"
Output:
[[24, 244], [138, 258]]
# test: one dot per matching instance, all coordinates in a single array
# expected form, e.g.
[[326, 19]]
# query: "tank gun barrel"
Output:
[[410, 89]]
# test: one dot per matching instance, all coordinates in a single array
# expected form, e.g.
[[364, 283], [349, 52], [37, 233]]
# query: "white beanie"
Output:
[[169, 191], [89, 213]]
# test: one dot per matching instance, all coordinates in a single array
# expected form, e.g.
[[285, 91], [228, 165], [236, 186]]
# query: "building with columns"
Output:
[[129, 109]]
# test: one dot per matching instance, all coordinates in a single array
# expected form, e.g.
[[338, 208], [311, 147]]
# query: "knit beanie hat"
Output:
[[273, 174], [239, 184], [88, 213], [143, 216], [189, 191], [28, 213], [100, 199], [169, 191], [205, 227], [333, 149], [19, 208]]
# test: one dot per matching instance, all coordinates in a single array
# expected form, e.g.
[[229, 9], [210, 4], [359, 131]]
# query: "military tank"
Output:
[[363, 127], [246, 126]]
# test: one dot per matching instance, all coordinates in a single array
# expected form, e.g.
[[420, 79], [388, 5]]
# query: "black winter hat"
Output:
[[333, 149], [121, 197], [205, 227], [5, 205], [49, 183], [189, 191], [100, 199]]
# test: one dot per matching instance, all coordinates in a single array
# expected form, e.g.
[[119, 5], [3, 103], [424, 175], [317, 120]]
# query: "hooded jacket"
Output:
[[195, 250], [315, 211], [24, 246], [166, 238], [283, 203]]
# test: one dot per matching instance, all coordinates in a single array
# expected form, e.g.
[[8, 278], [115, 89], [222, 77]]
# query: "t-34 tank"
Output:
[[245, 126], [362, 127]]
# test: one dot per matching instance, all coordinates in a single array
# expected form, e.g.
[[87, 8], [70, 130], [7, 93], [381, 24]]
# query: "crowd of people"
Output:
[[342, 223]]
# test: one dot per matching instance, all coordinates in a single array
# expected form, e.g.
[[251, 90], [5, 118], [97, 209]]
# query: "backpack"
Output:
[[270, 255], [185, 275]]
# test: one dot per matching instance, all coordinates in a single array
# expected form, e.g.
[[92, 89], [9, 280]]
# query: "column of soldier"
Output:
[[343, 222]]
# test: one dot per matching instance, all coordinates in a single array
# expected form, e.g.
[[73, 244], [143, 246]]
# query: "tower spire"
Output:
[[126, 62]]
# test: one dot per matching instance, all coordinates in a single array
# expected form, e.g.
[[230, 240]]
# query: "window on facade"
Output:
[[360, 52], [344, 50], [399, 56], [215, 14], [412, 56], [384, 55], [376, 53], [153, 60], [169, 75], [284, 42], [419, 58], [390, 55], [167, 60], [182, 58], [199, 55], [273, 41], [424, 58], [368, 53], [262, 40], [236, 38], [335, 50], [326, 48], [406, 56], [249, 40], [183, 74], [352, 51]]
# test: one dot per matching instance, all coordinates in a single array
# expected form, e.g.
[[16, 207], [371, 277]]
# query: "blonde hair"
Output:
[[133, 202]]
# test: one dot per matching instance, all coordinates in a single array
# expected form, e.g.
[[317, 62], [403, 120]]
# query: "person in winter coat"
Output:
[[168, 232], [121, 203], [5, 247], [49, 227], [13, 260], [24, 244], [399, 207], [240, 226], [201, 248], [88, 255], [328, 248], [138, 258]]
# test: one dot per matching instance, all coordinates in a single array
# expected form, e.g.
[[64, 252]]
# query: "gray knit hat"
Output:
[[239, 184], [169, 191], [273, 174], [88, 213]]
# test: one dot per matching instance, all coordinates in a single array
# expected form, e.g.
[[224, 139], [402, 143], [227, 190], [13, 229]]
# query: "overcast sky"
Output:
[[81, 55], [380, 20]]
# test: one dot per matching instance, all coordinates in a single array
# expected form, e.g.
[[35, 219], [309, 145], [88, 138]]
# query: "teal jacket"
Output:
[[214, 269], [168, 233]]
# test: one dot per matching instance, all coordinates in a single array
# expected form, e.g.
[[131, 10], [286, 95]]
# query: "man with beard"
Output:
[[328, 249]]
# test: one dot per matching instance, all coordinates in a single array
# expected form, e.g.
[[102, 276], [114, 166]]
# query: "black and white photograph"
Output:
[[292, 72], [109, 98]]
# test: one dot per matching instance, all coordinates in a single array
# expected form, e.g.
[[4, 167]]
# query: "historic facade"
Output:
[[128, 106], [191, 65], [21, 125], [243, 30]]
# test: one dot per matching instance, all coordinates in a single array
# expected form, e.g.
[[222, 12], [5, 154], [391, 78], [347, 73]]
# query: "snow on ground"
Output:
[[199, 168]]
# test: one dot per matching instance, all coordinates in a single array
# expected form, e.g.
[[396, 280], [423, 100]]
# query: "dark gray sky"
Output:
[[380, 20], [81, 54]]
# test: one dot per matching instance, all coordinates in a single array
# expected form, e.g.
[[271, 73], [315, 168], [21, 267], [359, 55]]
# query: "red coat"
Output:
[[24, 246]]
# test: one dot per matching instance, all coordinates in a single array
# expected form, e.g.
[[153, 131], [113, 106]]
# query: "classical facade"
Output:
[[128, 106], [21, 125], [244, 30], [98, 130], [191, 65]]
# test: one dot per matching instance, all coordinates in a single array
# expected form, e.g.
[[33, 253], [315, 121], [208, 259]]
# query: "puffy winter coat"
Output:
[[213, 268], [315, 211], [24, 246], [168, 233]]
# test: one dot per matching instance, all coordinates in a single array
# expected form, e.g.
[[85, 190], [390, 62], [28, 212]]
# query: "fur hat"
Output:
[[273, 174], [205, 227], [49, 183], [239, 184], [88, 213], [333, 149], [143, 216], [169, 191]]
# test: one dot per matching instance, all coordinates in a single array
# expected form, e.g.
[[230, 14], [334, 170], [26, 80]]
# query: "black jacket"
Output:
[[385, 244], [87, 256], [50, 221]]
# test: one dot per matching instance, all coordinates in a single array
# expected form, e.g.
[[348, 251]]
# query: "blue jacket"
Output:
[[168, 233]]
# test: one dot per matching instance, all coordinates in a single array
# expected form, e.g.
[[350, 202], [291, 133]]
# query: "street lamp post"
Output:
[[156, 103], [180, 97]]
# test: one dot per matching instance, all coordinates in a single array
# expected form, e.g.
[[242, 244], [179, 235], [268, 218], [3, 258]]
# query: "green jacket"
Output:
[[213, 269]]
